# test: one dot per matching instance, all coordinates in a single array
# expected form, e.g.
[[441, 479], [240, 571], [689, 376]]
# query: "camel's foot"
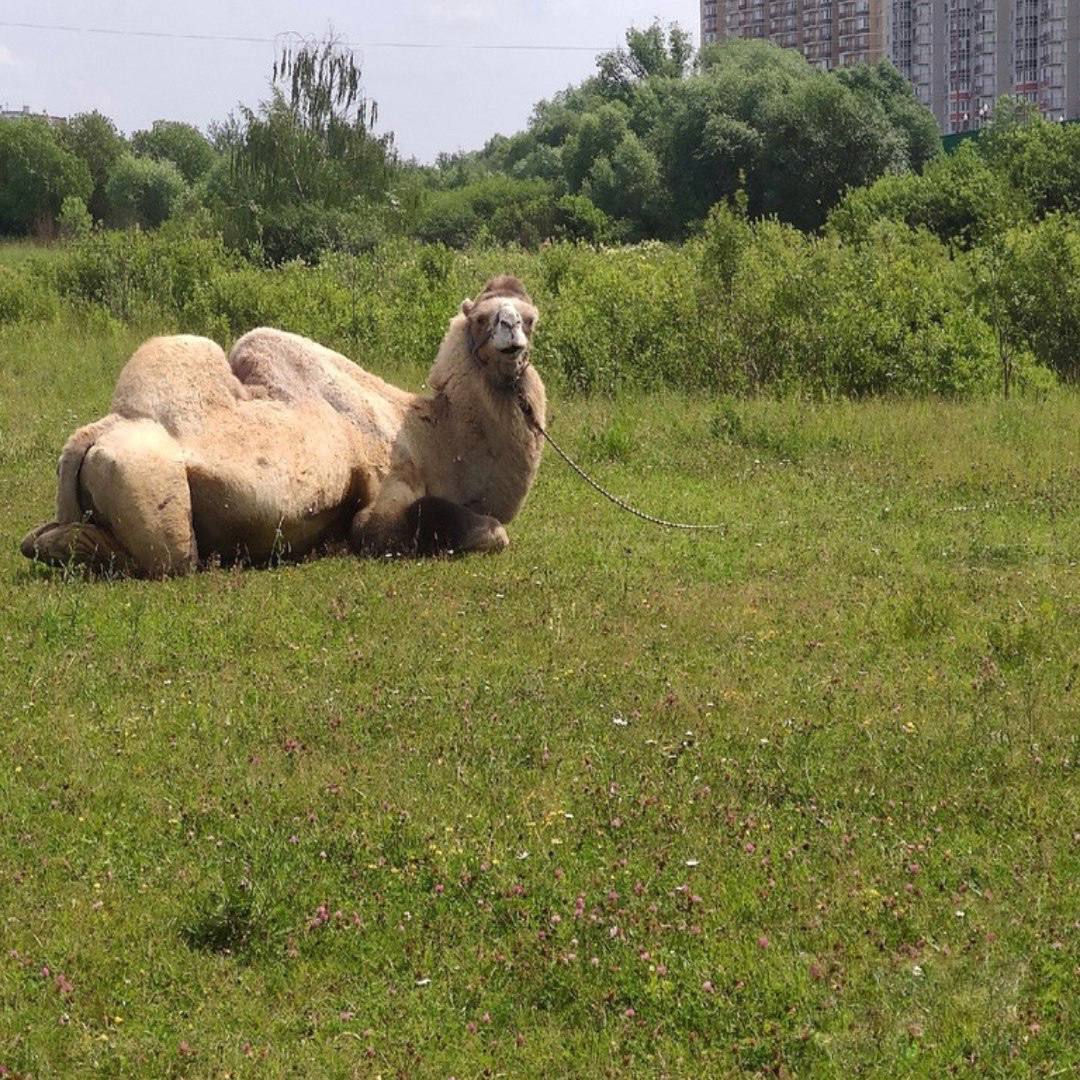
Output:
[[488, 538], [76, 544]]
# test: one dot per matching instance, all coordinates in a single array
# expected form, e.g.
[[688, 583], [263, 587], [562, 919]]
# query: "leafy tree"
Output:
[[883, 84], [958, 198], [144, 192], [1038, 285], [36, 175], [598, 134], [316, 142], [627, 184], [657, 142], [182, 144], [95, 139], [823, 140], [504, 210], [648, 54], [1038, 158]]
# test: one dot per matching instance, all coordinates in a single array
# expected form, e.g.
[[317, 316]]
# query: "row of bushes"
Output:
[[746, 307]]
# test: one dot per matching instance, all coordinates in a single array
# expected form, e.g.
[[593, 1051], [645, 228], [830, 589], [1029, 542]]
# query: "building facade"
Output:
[[25, 113], [960, 55]]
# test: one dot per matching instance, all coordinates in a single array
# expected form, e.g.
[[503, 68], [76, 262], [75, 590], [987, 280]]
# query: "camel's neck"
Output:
[[490, 449]]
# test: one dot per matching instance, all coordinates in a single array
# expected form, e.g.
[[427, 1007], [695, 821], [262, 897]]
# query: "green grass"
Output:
[[797, 800], [14, 253]]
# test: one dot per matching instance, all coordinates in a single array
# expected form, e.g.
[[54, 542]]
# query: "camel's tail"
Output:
[[69, 504]]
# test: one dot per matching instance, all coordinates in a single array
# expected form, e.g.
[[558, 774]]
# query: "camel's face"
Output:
[[501, 329]]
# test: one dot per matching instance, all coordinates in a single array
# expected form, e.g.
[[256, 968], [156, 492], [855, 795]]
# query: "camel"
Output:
[[284, 446]]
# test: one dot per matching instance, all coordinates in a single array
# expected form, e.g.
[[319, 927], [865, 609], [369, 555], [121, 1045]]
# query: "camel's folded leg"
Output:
[[400, 521], [133, 485], [135, 478], [74, 543], [73, 539]]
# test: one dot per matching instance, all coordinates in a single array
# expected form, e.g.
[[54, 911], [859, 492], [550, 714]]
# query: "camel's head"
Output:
[[499, 327]]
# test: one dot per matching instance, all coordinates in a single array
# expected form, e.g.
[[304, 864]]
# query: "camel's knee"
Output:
[[135, 479]]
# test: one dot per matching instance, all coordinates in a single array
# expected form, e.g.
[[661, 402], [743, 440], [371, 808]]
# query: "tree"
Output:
[[36, 175], [748, 117], [958, 197], [182, 144], [627, 184], [144, 192], [823, 140], [94, 138], [883, 84], [648, 54], [597, 136], [1039, 158], [316, 141]]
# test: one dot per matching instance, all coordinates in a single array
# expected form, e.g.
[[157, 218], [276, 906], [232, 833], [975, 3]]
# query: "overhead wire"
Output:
[[278, 39]]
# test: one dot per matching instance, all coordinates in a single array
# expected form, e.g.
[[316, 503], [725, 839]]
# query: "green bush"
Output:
[[1039, 283], [959, 197], [131, 272], [75, 221], [144, 192], [27, 295], [502, 210], [182, 144], [1040, 160], [750, 307], [306, 232], [894, 315]]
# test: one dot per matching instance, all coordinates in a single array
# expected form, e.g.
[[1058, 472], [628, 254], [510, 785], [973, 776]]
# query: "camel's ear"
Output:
[[466, 307]]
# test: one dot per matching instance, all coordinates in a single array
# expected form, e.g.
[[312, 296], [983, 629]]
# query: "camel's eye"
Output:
[[530, 322]]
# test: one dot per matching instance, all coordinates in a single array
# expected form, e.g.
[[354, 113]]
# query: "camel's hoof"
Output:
[[489, 541], [29, 546], [75, 544]]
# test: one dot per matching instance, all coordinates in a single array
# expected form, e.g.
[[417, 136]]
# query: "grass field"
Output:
[[15, 252], [800, 800]]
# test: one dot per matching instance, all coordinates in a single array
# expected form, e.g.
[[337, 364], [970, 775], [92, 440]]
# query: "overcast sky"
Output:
[[432, 99]]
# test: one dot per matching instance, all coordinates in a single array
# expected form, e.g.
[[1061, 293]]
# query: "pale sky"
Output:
[[432, 99]]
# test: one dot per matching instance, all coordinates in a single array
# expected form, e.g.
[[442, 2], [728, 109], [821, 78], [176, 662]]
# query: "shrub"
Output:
[[505, 211], [1039, 283], [130, 272], [959, 197], [26, 295], [182, 144], [74, 221], [748, 308], [305, 232], [144, 192]]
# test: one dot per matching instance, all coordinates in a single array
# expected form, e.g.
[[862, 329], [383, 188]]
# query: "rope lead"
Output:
[[526, 408]]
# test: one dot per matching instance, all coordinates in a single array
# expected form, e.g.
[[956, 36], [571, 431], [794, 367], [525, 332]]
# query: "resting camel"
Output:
[[284, 446]]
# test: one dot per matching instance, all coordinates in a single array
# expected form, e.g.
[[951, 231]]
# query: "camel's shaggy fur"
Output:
[[285, 445]]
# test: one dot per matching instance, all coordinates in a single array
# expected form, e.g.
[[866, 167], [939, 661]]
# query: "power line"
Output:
[[280, 38]]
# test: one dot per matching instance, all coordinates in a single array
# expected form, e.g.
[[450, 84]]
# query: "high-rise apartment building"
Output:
[[827, 32], [960, 55]]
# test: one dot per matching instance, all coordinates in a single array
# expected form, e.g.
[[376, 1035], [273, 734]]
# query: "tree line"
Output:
[[642, 149]]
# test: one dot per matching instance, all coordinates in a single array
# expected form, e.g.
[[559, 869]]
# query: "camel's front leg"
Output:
[[401, 521]]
